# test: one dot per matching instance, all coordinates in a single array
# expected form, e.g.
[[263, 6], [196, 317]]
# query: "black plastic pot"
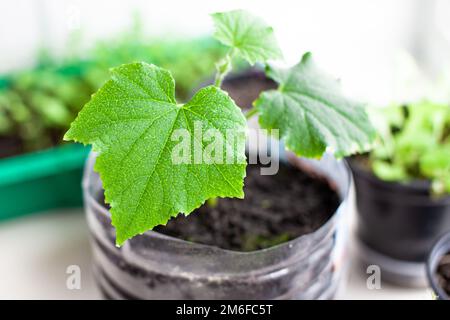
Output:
[[441, 248], [398, 225]]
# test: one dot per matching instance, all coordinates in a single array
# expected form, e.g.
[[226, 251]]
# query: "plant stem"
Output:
[[250, 113], [212, 202], [224, 66]]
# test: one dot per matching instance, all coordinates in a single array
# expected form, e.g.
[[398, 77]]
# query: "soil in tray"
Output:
[[13, 145], [275, 209], [443, 273], [10, 146]]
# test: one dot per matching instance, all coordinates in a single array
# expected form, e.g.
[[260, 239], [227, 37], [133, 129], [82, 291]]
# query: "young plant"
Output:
[[414, 143], [134, 122]]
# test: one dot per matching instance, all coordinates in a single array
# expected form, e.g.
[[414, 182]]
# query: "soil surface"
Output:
[[443, 273], [14, 145], [245, 88], [275, 209]]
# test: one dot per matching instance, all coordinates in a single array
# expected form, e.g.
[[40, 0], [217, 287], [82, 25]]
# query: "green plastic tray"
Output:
[[42, 180]]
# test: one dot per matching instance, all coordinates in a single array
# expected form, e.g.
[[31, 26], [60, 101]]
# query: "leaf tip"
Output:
[[69, 136], [66, 137], [307, 57], [119, 243]]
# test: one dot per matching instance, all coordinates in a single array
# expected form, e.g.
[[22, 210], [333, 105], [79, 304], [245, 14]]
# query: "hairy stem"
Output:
[[250, 113], [223, 67]]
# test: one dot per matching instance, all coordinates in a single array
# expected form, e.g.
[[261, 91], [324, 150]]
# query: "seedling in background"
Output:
[[130, 123], [413, 144], [38, 105]]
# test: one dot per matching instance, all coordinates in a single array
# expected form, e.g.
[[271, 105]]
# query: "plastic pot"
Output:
[[441, 248], [156, 266], [398, 225], [42, 180]]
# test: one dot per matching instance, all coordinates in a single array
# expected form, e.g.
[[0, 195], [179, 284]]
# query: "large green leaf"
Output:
[[311, 114], [248, 35], [130, 122]]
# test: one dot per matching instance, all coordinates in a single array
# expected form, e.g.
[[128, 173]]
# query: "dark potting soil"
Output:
[[13, 145], [10, 146], [246, 87], [443, 273], [276, 209]]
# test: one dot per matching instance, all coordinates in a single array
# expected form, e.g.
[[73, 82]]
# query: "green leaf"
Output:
[[130, 122], [389, 171], [435, 164], [247, 35], [311, 114]]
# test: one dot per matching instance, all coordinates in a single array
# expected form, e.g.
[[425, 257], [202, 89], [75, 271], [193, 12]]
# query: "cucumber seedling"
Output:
[[136, 125]]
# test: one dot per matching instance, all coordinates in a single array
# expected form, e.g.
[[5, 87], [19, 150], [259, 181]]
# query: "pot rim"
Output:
[[440, 248], [325, 228], [409, 189], [246, 73]]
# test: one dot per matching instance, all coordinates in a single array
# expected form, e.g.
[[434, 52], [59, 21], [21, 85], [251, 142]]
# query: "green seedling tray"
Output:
[[41, 181]]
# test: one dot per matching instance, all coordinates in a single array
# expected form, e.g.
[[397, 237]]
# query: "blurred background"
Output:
[[55, 53], [360, 41]]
